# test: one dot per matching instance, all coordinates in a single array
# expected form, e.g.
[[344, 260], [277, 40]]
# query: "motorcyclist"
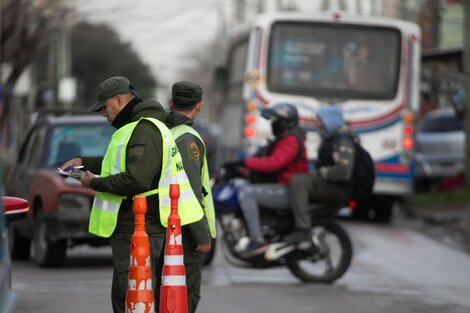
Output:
[[283, 157], [331, 182]]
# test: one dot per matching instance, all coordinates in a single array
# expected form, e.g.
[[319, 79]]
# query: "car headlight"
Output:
[[73, 203]]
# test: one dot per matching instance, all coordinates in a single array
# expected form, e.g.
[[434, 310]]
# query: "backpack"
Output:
[[363, 174]]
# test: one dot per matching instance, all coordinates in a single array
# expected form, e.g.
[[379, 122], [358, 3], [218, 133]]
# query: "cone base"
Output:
[[173, 299], [140, 307]]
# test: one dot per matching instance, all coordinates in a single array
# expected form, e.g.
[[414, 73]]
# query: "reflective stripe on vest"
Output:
[[207, 201], [105, 209]]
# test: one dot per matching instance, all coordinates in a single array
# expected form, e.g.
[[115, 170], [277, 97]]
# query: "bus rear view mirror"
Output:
[[220, 78]]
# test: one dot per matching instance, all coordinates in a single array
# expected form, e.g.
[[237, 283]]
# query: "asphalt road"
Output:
[[395, 269]]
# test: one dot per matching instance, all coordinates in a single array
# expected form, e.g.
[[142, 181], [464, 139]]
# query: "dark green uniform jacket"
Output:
[[192, 152], [143, 165]]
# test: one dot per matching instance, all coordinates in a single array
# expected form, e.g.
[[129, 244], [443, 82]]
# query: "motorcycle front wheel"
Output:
[[328, 258]]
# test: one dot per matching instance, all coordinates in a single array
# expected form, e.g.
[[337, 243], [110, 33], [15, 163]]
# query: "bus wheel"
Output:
[[361, 211], [382, 209]]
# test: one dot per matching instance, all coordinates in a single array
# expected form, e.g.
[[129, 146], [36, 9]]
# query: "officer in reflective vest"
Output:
[[185, 105], [141, 159]]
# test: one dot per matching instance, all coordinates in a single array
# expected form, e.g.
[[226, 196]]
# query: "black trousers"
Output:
[[120, 245], [193, 270]]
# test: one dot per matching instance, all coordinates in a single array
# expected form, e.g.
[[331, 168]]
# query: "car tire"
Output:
[[47, 253], [20, 246]]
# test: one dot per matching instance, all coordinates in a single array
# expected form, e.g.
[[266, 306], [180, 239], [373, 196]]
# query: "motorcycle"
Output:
[[322, 259]]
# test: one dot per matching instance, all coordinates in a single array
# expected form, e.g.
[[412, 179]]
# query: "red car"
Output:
[[59, 207], [13, 209]]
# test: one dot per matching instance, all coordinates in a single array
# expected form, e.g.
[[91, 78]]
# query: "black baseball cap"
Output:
[[185, 93], [109, 88]]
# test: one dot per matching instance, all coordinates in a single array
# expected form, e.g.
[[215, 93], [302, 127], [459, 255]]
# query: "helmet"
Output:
[[284, 116]]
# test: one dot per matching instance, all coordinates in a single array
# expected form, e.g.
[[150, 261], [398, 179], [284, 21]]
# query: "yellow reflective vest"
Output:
[[105, 208], [207, 201]]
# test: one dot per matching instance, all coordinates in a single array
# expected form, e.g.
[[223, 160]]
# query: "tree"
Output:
[[466, 61], [99, 53], [24, 28]]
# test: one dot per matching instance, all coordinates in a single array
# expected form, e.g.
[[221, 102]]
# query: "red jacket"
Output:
[[281, 158]]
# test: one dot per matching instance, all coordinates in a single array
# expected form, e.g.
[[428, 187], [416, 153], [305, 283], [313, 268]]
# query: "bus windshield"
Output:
[[332, 61]]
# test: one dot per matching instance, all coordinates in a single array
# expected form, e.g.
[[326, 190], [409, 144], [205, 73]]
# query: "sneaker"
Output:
[[297, 236], [254, 248]]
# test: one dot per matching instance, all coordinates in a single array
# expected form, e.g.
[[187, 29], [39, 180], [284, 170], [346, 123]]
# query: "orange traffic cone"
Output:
[[173, 296], [139, 296]]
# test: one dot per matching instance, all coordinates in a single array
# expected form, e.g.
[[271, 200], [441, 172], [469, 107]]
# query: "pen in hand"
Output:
[[73, 168]]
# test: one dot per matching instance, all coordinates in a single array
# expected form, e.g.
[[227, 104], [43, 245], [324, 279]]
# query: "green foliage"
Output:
[[457, 196], [99, 53]]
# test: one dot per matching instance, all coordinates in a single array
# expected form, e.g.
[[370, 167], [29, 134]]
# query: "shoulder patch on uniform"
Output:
[[194, 150]]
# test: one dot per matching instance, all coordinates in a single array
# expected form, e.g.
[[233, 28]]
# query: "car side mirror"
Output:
[[14, 208]]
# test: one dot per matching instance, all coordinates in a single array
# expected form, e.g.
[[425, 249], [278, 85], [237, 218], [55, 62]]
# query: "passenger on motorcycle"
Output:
[[331, 182], [282, 158]]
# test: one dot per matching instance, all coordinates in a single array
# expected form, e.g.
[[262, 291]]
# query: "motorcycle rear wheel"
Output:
[[328, 260]]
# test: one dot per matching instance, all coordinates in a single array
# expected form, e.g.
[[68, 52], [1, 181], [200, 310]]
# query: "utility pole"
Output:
[[2, 146], [1, 29], [240, 12], [261, 6], [466, 70]]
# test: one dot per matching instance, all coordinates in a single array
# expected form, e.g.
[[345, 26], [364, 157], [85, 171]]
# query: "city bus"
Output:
[[368, 65]]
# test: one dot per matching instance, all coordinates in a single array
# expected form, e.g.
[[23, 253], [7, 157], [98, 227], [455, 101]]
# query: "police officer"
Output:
[[137, 162], [185, 106]]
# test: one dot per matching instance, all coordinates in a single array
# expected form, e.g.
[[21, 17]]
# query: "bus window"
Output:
[[236, 72], [320, 60]]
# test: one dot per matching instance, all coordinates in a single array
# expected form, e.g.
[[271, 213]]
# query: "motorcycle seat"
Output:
[[324, 209]]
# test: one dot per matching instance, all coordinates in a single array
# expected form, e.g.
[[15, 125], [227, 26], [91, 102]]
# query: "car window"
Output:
[[69, 141], [31, 153], [35, 152], [442, 124]]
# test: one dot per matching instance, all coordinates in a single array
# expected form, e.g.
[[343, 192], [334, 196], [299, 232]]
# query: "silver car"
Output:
[[440, 147]]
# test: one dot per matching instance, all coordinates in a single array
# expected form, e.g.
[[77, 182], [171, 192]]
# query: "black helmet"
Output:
[[284, 116]]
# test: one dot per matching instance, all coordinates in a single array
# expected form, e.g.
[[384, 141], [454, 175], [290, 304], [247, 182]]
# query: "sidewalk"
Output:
[[442, 212], [447, 223]]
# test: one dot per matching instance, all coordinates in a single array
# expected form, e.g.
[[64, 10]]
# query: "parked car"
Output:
[[13, 209], [440, 147], [60, 207]]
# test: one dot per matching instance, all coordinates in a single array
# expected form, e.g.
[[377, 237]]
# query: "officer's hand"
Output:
[[85, 180], [204, 248], [72, 163]]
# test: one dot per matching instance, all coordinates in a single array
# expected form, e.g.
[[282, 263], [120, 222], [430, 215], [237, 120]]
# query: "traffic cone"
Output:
[[139, 296], [173, 296]]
